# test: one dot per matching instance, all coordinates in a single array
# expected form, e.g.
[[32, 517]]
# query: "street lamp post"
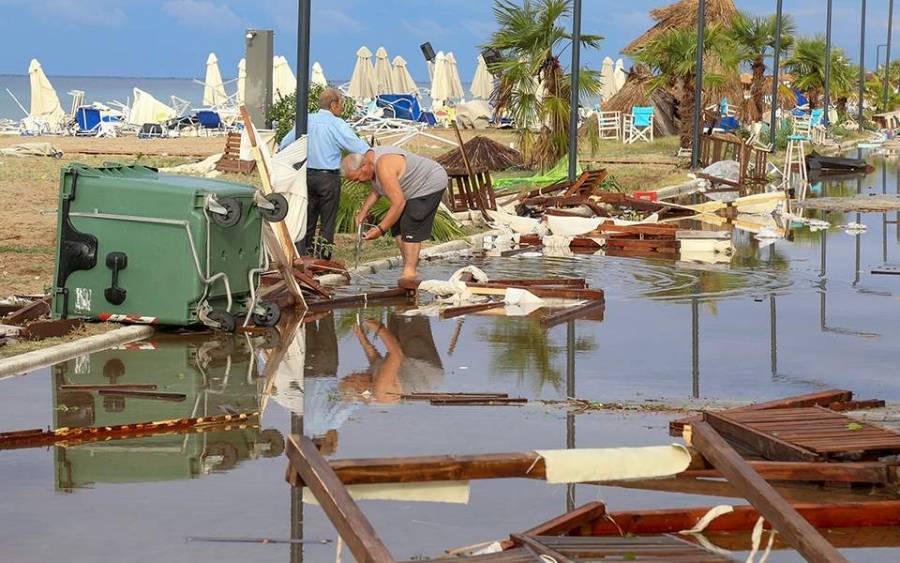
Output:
[[828, 62], [698, 85], [862, 64], [301, 111], [776, 61], [574, 98]]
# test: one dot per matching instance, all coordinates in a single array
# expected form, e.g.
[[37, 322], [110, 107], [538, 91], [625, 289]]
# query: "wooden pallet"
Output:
[[804, 434], [231, 159]]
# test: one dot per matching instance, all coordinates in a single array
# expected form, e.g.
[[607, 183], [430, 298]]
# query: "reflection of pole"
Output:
[[776, 57], [695, 346], [698, 85], [824, 279], [570, 393], [296, 502], [773, 327], [827, 61], [574, 99], [884, 223]]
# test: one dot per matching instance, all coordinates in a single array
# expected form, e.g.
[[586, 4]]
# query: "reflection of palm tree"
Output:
[[524, 349]]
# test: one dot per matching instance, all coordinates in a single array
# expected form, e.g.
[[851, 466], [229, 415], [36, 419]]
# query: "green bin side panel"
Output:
[[160, 278]]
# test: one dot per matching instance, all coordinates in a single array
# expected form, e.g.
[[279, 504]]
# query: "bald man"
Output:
[[415, 187]]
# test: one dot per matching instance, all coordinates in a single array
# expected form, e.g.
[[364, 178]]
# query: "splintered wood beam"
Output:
[[565, 524], [451, 312], [347, 518], [357, 299], [569, 313], [797, 532]]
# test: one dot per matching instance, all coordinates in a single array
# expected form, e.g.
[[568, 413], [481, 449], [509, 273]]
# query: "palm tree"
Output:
[[806, 64], [671, 54], [755, 37], [532, 86]]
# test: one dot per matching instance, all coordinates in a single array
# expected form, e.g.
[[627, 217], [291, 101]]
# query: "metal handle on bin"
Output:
[[115, 261]]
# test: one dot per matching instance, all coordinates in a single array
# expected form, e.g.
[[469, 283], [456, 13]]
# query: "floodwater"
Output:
[[797, 316]]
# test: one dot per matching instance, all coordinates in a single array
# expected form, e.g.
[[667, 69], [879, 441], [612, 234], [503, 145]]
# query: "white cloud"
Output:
[[202, 14]]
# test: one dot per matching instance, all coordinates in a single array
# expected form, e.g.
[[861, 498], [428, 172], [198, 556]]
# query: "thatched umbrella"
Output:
[[637, 92], [679, 15], [483, 153]]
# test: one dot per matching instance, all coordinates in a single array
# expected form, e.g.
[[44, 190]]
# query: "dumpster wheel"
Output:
[[232, 215], [266, 314], [279, 208], [222, 320]]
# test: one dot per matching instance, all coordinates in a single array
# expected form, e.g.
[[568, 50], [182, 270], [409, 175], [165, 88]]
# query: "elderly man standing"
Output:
[[328, 136], [414, 185]]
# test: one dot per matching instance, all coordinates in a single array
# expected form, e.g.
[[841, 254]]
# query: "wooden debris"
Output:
[[349, 521], [231, 159], [479, 402], [591, 309], [432, 396], [138, 394], [451, 312], [41, 329], [358, 299], [109, 386], [36, 309]]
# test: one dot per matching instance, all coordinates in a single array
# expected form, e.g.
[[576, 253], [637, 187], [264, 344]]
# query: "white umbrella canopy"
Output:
[[457, 91], [400, 77], [213, 88], [44, 101], [147, 109], [318, 75], [607, 79], [383, 82], [483, 81], [241, 80], [284, 83], [619, 74], [441, 82], [362, 81]]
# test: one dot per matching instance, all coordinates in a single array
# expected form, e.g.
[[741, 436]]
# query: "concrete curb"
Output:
[[41, 358], [443, 250]]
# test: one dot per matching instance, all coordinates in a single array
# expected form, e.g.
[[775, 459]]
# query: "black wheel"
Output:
[[269, 316], [232, 214], [279, 210], [223, 321]]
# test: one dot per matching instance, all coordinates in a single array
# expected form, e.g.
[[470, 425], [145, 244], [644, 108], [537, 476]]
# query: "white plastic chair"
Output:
[[609, 124], [638, 125]]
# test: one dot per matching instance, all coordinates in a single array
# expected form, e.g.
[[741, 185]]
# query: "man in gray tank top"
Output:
[[415, 187]]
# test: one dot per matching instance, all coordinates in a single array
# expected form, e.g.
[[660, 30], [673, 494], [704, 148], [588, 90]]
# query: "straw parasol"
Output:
[[241, 80], [619, 75], [483, 154], [362, 81], [441, 86], [383, 81], [147, 109], [284, 83], [679, 15], [483, 81], [607, 80], [400, 77], [457, 91], [44, 101], [318, 75], [637, 92], [213, 88]]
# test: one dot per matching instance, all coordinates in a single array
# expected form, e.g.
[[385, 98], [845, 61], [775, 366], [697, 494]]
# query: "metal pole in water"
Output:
[[698, 85], [570, 393], [828, 62], [695, 347], [776, 61], [573, 99], [297, 503], [773, 327], [301, 111], [887, 57], [862, 64]]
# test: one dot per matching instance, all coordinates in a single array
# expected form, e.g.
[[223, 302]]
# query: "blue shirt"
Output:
[[328, 135]]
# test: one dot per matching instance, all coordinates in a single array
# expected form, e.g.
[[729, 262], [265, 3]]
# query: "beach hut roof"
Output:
[[44, 101], [637, 91], [384, 83], [681, 14], [213, 88], [318, 75], [402, 80], [362, 81], [483, 81]]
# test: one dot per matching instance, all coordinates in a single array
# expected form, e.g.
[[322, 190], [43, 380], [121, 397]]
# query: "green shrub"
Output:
[[284, 110]]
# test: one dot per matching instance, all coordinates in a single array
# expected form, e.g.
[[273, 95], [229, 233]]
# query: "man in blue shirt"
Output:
[[328, 136]]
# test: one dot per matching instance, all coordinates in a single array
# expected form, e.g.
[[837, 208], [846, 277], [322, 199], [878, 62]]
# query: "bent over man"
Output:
[[414, 185]]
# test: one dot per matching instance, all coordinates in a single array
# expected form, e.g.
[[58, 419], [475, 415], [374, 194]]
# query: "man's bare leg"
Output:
[[410, 253]]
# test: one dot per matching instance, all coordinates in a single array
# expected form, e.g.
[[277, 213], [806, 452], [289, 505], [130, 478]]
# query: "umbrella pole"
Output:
[[573, 100]]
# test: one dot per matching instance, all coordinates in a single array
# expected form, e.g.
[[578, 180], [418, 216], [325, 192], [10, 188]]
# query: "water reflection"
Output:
[[197, 376]]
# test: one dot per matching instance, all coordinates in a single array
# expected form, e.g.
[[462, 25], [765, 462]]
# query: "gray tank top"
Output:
[[422, 177]]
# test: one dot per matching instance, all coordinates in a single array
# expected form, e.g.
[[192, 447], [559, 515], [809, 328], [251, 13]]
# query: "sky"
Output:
[[172, 38]]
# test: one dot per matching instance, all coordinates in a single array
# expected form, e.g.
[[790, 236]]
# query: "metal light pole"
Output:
[[301, 112], [887, 58], [698, 85], [776, 62], [828, 63], [573, 99], [862, 64]]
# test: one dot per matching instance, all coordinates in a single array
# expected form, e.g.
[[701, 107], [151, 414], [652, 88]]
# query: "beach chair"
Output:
[[811, 125], [90, 122], [609, 124], [209, 120], [638, 125], [400, 106]]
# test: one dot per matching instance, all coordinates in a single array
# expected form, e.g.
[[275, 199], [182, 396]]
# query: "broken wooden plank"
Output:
[[539, 548], [560, 292], [42, 329], [112, 386], [137, 394], [763, 444], [479, 402], [432, 396], [346, 517], [547, 282], [575, 312], [856, 405], [799, 533], [452, 312], [358, 299], [571, 521], [35, 309]]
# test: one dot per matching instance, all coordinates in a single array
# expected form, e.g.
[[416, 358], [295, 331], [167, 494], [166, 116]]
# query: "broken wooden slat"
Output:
[[432, 396], [357, 299], [479, 402], [570, 521], [35, 309], [765, 445], [451, 312], [799, 533], [856, 405], [569, 313], [547, 282], [113, 386], [562, 293], [137, 394], [346, 517], [539, 548], [39, 330]]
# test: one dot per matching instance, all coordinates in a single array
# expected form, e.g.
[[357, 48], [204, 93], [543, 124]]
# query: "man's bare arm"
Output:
[[388, 170]]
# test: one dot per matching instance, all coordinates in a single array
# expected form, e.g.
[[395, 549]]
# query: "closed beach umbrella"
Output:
[[483, 81], [607, 79], [362, 81], [401, 79], [284, 83], [441, 83], [213, 88], [241, 80], [318, 75], [619, 74], [147, 109], [383, 81], [457, 91], [44, 102]]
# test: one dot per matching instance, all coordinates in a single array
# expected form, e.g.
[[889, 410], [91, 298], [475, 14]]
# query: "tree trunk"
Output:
[[686, 111], [813, 96], [758, 89]]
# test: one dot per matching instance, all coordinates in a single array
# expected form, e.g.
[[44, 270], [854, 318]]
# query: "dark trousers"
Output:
[[324, 193]]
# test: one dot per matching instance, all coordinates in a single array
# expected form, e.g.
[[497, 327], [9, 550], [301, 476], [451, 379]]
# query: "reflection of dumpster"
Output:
[[216, 374]]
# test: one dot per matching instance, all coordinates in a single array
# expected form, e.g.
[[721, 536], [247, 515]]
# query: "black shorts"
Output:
[[418, 217]]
